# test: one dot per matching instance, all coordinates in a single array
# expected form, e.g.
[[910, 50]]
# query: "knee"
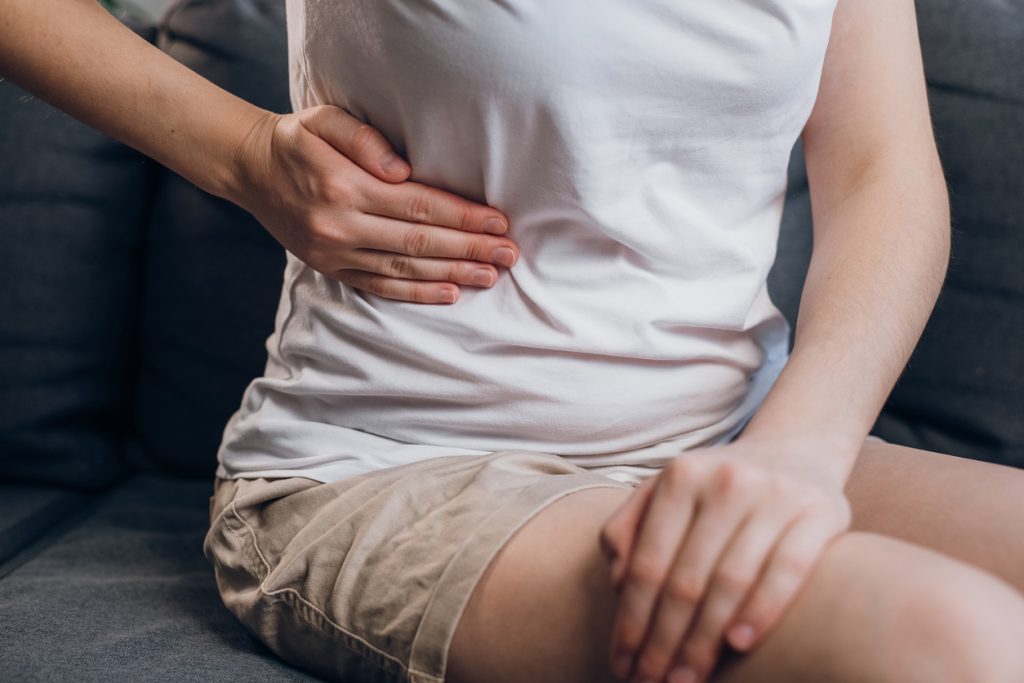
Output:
[[965, 630]]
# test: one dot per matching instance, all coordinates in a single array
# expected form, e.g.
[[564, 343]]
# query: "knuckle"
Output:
[[733, 477], [319, 229], [678, 473], [733, 582], [795, 566], [479, 249], [423, 294], [464, 218], [760, 611], [698, 653], [644, 571], [416, 242], [400, 266], [652, 663], [456, 272], [782, 487], [379, 285], [685, 587], [364, 138], [334, 189], [630, 635], [419, 208], [810, 498]]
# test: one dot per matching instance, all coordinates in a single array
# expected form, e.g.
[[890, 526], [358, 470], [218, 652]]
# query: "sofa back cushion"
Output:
[[962, 391], [72, 204], [212, 273]]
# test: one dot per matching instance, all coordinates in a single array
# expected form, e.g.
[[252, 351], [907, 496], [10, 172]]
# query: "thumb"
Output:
[[360, 142]]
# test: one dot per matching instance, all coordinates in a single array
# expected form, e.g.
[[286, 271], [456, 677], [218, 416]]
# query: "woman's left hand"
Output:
[[713, 547]]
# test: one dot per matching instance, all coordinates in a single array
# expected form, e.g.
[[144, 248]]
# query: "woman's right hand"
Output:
[[322, 183]]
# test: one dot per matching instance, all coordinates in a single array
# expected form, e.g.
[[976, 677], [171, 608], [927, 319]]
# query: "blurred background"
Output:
[[148, 10]]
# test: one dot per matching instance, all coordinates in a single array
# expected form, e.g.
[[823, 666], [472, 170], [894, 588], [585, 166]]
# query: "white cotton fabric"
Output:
[[639, 149]]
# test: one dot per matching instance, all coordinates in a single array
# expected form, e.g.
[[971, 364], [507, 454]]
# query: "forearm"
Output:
[[879, 259], [76, 56]]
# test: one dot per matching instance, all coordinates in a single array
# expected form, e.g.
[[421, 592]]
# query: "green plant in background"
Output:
[[122, 9]]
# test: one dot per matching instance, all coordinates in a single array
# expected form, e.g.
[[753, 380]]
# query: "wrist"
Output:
[[829, 456], [244, 164]]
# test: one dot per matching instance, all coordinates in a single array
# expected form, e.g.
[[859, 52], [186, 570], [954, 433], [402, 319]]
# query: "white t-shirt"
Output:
[[639, 150]]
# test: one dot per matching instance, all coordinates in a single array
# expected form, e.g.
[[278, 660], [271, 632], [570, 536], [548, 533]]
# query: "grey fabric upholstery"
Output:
[[963, 389], [125, 594], [212, 273], [72, 202], [28, 511]]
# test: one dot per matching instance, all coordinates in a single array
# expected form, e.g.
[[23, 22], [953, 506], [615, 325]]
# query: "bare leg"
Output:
[[968, 509], [875, 609]]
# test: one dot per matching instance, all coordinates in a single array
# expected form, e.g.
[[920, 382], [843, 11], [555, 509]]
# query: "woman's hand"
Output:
[[330, 189], [715, 546]]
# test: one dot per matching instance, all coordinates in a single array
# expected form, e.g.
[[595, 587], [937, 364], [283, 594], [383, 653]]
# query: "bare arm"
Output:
[[326, 185], [881, 237], [76, 56]]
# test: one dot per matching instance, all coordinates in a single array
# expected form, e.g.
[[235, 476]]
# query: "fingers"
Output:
[[416, 291], [664, 524], [725, 503], [787, 570], [411, 268], [734, 576], [417, 239], [619, 533], [418, 203], [359, 141]]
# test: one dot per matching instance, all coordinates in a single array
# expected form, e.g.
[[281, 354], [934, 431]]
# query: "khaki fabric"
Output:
[[365, 579]]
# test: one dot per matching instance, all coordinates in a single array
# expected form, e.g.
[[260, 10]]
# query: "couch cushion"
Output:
[[962, 391], [72, 203], [28, 511], [126, 595], [213, 274]]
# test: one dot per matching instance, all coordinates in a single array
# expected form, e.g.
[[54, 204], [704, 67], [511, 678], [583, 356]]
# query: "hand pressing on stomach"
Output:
[[712, 550], [330, 189]]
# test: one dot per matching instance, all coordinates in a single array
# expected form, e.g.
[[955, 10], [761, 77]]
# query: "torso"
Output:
[[639, 150]]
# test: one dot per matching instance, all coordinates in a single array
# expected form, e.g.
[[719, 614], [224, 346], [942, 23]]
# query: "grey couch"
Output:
[[134, 308]]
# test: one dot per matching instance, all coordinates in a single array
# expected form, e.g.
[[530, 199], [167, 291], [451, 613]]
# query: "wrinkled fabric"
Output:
[[640, 153], [366, 578]]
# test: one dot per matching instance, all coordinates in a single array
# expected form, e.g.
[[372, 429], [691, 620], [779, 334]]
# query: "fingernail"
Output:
[[447, 296], [495, 225], [741, 635], [682, 674], [392, 163], [504, 256], [482, 277], [623, 665]]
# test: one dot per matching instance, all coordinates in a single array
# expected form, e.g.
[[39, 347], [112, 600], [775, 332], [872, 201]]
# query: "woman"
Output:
[[600, 461]]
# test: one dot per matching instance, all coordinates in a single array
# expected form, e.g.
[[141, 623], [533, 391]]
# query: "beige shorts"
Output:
[[365, 579]]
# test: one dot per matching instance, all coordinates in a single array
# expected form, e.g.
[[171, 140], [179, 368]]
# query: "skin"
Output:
[[919, 590], [327, 186], [764, 532], [737, 552], [715, 549]]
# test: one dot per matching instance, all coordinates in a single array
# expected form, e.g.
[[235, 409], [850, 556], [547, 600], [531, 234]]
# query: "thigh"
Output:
[[965, 508], [875, 608]]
